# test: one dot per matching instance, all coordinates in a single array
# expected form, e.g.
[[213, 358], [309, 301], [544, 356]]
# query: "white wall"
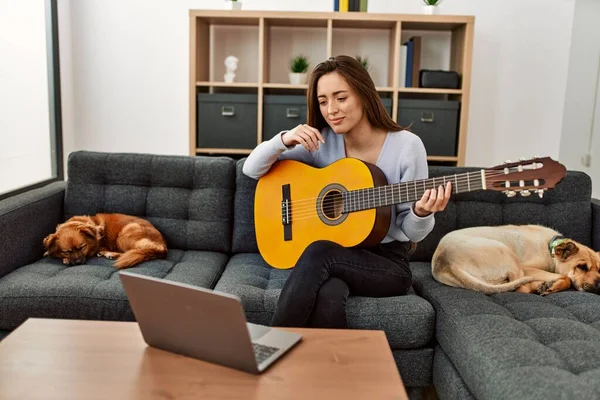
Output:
[[130, 62], [581, 132], [520, 58], [25, 150], [130, 72]]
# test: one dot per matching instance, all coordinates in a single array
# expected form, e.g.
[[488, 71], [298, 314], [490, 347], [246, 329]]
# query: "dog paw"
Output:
[[111, 255], [546, 288]]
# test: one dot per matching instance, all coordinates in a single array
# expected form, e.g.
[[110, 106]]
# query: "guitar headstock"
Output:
[[525, 176]]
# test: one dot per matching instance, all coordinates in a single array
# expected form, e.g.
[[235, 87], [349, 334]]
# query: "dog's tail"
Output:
[[490, 288], [135, 256]]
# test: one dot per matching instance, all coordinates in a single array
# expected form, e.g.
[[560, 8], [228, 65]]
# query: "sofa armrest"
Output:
[[25, 220], [596, 224]]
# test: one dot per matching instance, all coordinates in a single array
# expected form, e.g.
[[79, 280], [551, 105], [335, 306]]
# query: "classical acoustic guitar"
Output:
[[349, 202]]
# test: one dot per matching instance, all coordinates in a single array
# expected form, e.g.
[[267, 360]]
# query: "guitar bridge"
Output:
[[286, 212]]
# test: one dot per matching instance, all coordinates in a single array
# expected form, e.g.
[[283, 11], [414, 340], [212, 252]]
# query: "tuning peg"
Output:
[[525, 193], [510, 193], [540, 193], [507, 162], [522, 159]]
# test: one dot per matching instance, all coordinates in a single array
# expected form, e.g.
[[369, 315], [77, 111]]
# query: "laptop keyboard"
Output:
[[262, 352]]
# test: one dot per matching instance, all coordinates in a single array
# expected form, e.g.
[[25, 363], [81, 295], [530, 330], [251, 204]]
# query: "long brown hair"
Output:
[[360, 81]]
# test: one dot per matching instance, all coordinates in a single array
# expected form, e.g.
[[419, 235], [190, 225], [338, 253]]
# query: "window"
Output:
[[30, 112]]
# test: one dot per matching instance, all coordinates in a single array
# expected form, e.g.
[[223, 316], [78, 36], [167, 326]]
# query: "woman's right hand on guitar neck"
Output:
[[305, 135]]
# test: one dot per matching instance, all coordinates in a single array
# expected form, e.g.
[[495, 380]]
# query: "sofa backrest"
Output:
[[244, 236], [188, 199], [566, 208]]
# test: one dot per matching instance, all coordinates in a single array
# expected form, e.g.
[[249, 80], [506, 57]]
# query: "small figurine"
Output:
[[231, 64]]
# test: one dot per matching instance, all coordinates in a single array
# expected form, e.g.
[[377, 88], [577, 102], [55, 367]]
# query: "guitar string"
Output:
[[332, 206], [300, 206], [460, 178], [312, 212]]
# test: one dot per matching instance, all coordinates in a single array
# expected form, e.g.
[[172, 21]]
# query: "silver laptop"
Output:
[[203, 324]]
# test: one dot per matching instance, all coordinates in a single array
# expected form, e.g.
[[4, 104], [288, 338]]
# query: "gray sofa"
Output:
[[465, 344]]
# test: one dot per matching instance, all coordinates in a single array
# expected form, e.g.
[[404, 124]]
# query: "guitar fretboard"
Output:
[[387, 195]]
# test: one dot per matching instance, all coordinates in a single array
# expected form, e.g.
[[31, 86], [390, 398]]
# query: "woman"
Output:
[[346, 118]]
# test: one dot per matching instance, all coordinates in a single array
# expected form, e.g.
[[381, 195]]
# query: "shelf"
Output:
[[284, 86], [414, 21], [223, 151], [429, 90], [226, 84], [442, 158], [282, 43], [299, 22], [265, 42], [227, 18], [241, 41], [377, 45]]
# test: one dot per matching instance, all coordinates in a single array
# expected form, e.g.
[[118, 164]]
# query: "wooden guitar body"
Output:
[[315, 208]]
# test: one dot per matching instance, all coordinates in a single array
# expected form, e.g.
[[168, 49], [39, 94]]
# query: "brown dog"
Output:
[[127, 239], [525, 258]]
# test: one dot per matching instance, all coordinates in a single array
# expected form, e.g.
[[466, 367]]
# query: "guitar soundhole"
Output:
[[330, 205], [333, 204]]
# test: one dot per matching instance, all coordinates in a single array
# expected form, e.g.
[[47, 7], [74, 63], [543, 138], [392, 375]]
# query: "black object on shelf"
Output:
[[429, 78]]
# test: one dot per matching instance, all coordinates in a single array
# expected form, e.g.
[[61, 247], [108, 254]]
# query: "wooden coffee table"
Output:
[[73, 359]]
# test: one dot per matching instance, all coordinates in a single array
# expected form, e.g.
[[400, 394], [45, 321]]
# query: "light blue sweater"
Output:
[[402, 158]]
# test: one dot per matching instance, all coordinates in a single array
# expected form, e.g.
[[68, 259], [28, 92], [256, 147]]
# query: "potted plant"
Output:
[[298, 70], [431, 6], [364, 61]]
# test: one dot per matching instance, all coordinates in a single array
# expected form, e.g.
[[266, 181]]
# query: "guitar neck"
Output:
[[404, 192]]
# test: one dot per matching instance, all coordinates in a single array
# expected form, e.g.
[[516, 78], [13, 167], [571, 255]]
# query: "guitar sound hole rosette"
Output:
[[330, 205]]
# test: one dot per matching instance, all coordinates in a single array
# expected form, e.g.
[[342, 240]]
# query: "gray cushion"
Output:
[[189, 199], [48, 289], [244, 237], [415, 366], [446, 379], [516, 345], [566, 208], [407, 320], [40, 210]]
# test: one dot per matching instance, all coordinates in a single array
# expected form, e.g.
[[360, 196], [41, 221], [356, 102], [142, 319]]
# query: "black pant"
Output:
[[316, 291]]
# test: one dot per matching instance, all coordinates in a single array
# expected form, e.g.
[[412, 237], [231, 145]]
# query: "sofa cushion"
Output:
[[516, 345], [447, 381], [49, 289], [188, 199], [407, 320], [244, 236], [415, 366], [566, 208]]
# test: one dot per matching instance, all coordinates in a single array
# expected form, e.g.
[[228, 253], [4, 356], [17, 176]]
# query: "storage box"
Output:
[[227, 120], [282, 112], [434, 121]]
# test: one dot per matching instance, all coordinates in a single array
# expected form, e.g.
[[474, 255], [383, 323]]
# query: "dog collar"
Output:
[[555, 241]]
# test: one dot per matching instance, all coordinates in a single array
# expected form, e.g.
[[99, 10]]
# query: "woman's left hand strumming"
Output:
[[433, 200]]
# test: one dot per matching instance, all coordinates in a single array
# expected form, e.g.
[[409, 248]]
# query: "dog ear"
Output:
[[90, 231], [49, 242], [566, 250]]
